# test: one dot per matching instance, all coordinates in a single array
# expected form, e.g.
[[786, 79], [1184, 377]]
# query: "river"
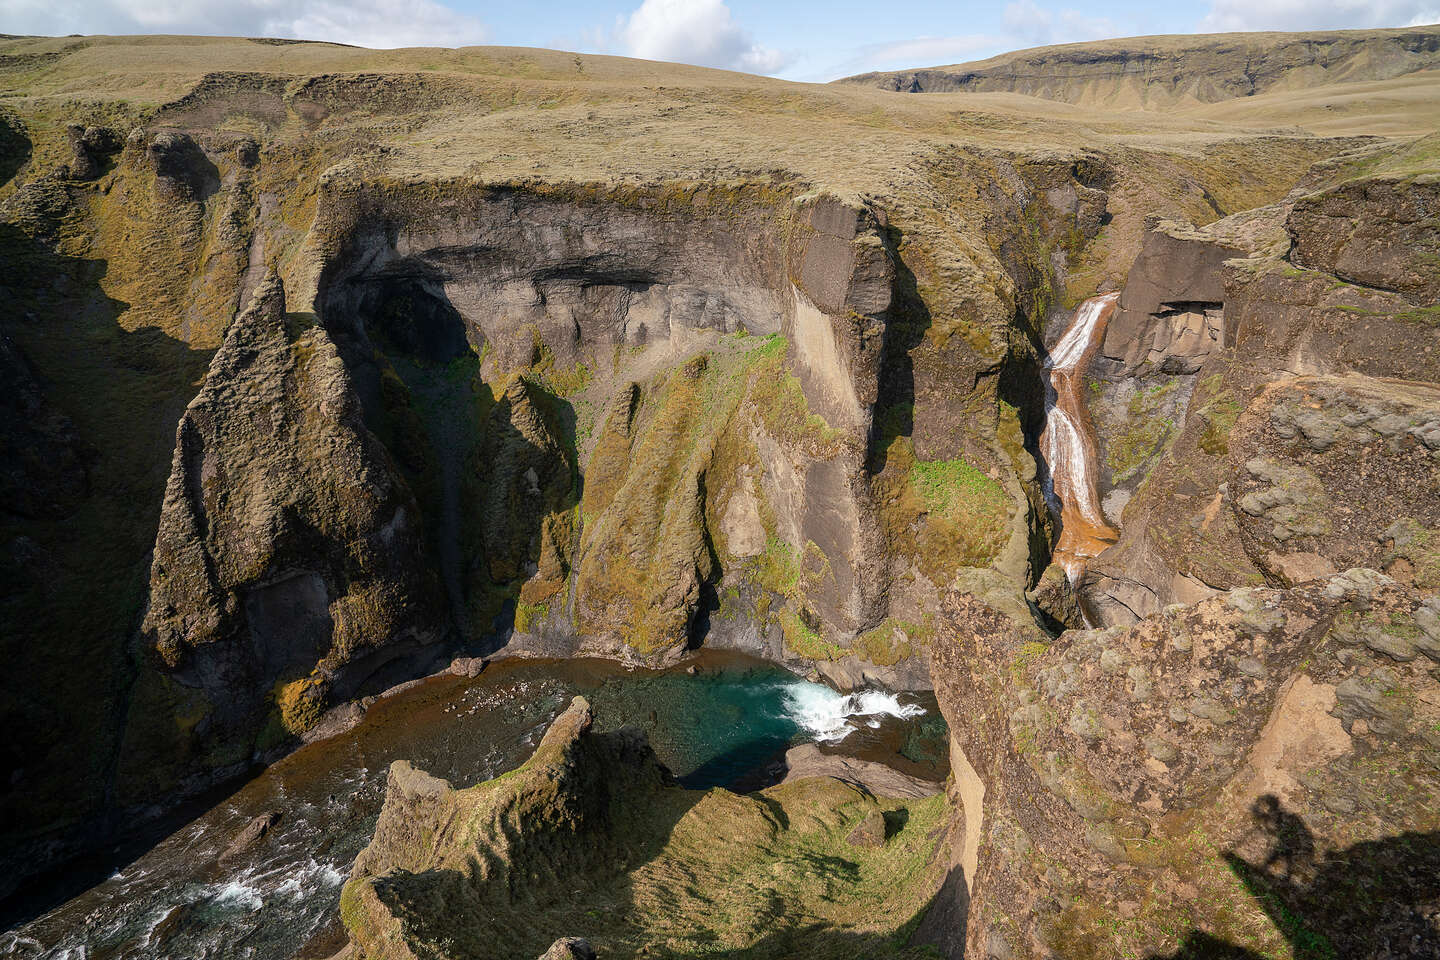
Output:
[[728, 724]]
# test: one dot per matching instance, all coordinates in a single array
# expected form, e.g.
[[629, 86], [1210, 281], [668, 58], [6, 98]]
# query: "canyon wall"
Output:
[[1250, 722], [313, 387], [426, 418]]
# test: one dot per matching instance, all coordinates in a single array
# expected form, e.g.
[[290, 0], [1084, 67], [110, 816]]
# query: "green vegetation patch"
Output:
[[660, 470], [947, 513], [951, 486], [1220, 414], [894, 640], [1419, 547], [1145, 431], [673, 873], [803, 640]]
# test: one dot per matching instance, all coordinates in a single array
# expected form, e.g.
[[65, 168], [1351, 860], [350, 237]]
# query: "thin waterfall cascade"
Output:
[[1068, 441]]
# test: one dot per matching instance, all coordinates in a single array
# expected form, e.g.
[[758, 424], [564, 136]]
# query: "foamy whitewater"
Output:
[[826, 715]]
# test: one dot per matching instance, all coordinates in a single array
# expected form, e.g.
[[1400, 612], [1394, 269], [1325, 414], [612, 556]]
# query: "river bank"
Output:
[[727, 723]]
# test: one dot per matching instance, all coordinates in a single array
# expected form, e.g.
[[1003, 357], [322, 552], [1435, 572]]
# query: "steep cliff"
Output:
[[287, 568], [580, 355], [1240, 373]]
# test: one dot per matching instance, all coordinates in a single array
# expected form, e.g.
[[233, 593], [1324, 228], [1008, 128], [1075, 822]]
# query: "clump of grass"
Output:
[[950, 485], [1144, 432], [1220, 415], [300, 703], [805, 641], [529, 615], [893, 640]]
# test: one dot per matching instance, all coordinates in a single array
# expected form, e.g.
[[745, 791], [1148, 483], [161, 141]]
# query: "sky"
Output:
[[811, 40]]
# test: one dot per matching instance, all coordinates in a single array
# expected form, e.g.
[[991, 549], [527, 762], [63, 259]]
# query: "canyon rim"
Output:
[[1092, 391]]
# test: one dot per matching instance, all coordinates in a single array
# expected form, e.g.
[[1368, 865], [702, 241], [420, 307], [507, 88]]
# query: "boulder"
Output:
[[252, 833], [570, 948], [807, 761]]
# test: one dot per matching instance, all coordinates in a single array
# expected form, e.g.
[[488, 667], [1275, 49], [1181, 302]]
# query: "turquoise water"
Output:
[[727, 725]]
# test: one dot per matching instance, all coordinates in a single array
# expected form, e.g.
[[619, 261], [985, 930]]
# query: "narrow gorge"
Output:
[[498, 502]]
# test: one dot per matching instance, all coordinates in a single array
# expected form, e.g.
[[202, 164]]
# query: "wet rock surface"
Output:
[[807, 760]]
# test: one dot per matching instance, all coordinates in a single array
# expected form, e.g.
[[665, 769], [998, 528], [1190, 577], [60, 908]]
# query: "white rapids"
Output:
[[829, 716]]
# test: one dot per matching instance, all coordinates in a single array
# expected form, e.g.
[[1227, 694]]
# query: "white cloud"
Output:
[[1028, 21], [367, 23], [1226, 15], [695, 31], [1025, 24], [915, 52], [1038, 26]]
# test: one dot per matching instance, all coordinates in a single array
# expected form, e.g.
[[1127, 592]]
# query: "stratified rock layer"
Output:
[[1206, 68]]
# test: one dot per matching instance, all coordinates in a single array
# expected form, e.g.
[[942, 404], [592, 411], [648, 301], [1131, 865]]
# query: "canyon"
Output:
[[1100, 404]]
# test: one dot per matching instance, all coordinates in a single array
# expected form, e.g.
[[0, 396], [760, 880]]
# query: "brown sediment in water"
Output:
[[1068, 440]]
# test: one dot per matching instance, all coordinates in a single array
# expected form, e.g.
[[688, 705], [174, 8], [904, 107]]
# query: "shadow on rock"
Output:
[[1378, 899]]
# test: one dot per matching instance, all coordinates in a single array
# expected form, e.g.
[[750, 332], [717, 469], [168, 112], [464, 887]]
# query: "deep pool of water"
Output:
[[727, 725]]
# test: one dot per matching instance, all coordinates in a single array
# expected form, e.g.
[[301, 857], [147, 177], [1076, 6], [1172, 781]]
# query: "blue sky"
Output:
[[814, 40]]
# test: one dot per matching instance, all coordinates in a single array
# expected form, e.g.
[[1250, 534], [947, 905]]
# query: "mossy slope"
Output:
[[590, 838]]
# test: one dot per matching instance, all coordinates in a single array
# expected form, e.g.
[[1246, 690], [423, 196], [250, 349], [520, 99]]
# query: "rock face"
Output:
[[1168, 317], [1219, 474], [1255, 753], [90, 148], [591, 835], [579, 365], [569, 948], [1203, 68], [287, 557], [1207, 752], [1360, 485], [691, 427], [1339, 232], [806, 761], [620, 310], [44, 461]]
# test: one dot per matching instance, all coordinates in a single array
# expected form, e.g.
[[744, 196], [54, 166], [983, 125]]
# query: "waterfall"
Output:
[[1068, 444]]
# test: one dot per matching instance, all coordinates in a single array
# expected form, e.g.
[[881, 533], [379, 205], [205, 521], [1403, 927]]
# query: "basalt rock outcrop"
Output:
[[1168, 317], [1205, 436], [287, 557], [651, 383], [1212, 751], [1221, 778], [1379, 233]]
